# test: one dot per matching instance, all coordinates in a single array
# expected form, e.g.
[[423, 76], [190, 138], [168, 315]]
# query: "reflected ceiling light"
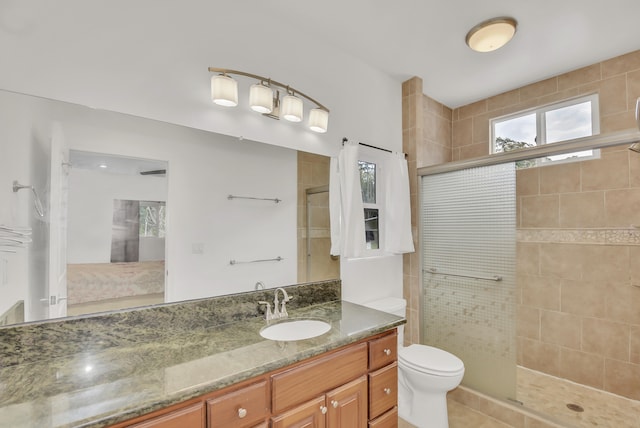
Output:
[[491, 34], [224, 92]]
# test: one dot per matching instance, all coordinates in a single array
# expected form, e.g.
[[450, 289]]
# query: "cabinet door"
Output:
[[383, 390], [242, 408], [189, 417], [348, 405], [307, 415]]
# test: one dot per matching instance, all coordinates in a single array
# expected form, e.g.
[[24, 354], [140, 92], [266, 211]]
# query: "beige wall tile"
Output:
[[609, 172], [622, 303], [622, 207], [582, 210], [540, 211], [634, 169], [474, 150], [633, 89], [579, 77], [503, 100], [528, 322], [583, 297], [581, 367], [634, 265], [473, 109], [606, 338], [613, 95], [481, 129], [539, 89], [539, 292], [605, 263], [561, 178], [621, 64], [617, 122], [635, 344], [560, 329], [462, 133], [540, 356], [561, 261], [622, 378], [528, 181], [528, 258]]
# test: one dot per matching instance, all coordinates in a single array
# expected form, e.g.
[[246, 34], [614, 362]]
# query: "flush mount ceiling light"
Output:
[[491, 34], [224, 92]]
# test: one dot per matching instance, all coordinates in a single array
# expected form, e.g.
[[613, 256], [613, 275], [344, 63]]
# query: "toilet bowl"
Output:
[[425, 375]]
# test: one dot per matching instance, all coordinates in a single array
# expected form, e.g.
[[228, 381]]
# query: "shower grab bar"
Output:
[[276, 200], [435, 271], [236, 262]]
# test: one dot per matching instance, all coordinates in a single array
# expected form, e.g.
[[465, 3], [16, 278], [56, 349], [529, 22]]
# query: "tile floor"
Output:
[[461, 416]]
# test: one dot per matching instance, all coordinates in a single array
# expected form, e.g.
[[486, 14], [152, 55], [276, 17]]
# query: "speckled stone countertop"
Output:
[[99, 370]]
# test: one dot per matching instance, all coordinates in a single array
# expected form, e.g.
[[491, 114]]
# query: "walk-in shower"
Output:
[[528, 277]]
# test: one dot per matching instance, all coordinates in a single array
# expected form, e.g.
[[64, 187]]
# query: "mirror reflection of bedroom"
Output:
[[116, 232]]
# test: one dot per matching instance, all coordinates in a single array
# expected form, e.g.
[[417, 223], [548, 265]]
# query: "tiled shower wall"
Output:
[[579, 300], [313, 171]]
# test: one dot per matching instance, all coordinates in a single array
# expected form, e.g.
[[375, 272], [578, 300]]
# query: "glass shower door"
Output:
[[468, 290]]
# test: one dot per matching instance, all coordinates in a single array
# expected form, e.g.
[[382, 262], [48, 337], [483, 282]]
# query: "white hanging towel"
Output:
[[345, 204], [397, 207]]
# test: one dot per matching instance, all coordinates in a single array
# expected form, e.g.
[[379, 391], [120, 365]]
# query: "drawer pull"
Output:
[[335, 404], [242, 412], [387, 391], [323, 409], [387, 352]]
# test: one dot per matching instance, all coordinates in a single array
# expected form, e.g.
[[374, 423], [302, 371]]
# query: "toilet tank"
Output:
[[393, 305]]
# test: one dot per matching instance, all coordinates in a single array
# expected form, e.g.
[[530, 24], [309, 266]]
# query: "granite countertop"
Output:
[[100, 386]]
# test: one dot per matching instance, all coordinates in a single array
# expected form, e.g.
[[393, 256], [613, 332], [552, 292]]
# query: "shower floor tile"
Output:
[[550, 395]]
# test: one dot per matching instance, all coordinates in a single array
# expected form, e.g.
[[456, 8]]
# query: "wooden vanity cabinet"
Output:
[[352, 387]]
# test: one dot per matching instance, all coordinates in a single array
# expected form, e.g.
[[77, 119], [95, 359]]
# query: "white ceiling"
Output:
[[155, 42]]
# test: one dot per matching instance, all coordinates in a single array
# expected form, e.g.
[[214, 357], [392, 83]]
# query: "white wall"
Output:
[[90, 215]]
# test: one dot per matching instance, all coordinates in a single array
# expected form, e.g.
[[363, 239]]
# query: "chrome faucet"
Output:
[[282, 311], [268, 314]]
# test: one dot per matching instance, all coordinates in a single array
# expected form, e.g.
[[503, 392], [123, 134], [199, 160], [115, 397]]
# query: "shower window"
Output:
[[550, 124]]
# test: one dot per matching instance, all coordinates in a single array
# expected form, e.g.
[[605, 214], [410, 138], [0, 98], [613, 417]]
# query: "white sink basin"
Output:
[[295, 329]]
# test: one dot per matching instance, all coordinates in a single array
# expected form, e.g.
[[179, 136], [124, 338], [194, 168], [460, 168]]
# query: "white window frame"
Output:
[[377, 157], [541, 136]]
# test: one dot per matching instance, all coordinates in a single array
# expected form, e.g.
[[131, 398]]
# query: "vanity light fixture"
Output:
[[491, 34], [262, 99]]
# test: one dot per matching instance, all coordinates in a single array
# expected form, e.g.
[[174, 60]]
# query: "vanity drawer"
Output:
[[388, 420], [383, 351], [309, 380], [242, 408], [383, 390], [188, 417]]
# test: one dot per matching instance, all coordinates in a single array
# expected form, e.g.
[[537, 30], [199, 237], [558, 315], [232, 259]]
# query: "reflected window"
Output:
[[369, 186], [152, 219], [550, 124]]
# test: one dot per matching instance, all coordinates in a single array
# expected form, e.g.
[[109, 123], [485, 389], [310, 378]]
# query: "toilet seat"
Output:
[[430, 360]]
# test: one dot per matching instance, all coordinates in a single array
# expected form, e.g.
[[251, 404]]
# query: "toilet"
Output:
[[425, 375]]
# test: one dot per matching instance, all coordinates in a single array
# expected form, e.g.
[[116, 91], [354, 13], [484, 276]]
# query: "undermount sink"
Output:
[[295, 329]]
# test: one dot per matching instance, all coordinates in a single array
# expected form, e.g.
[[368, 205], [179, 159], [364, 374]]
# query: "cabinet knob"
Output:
[[387, 352], [323, 409], [242, 412], [334, 403], [387, 391]]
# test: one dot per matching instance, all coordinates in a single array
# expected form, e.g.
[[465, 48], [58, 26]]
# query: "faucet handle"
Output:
[[268, 314]]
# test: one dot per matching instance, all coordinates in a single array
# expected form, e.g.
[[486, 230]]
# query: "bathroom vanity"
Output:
[[203, 364]]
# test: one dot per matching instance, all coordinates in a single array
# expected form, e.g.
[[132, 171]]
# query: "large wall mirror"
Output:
[[138, 212]]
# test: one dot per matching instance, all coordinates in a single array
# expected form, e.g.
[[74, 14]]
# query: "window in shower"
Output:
[[575, 118]]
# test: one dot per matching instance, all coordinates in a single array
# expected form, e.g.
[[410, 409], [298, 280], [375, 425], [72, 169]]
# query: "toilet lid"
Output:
[[432, 360]]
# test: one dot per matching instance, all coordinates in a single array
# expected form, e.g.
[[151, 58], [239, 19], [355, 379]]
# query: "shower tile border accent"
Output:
[[611, 236]]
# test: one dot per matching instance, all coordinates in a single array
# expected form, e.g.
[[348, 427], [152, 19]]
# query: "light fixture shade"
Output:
[[291, 108], [318, 120], [224, 91], [491, 34], [261, 98]]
